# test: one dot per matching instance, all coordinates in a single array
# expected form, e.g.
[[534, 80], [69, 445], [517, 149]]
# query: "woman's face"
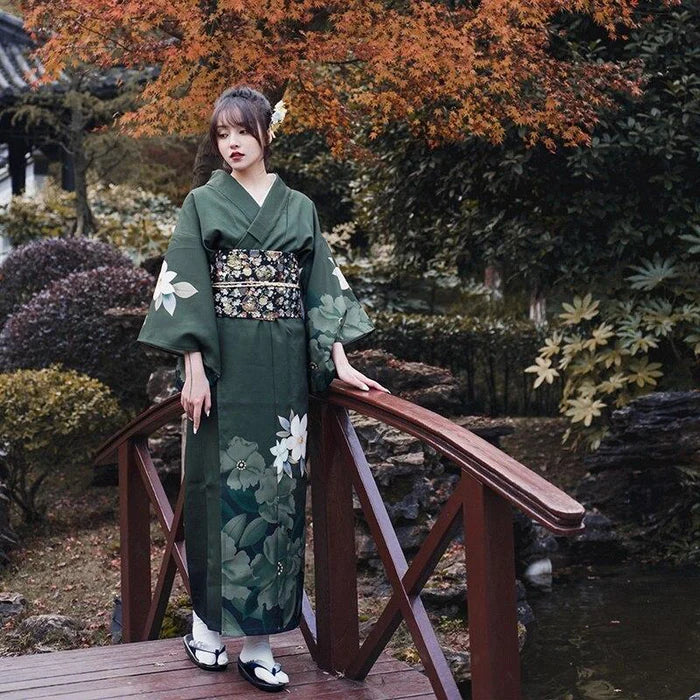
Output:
[[238, 147]]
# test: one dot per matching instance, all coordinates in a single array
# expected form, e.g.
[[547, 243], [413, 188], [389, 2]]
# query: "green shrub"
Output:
[[490, 354], [135, 220], [28, 217], [33, 266], [50, 421], [66, 323], [611, 350]]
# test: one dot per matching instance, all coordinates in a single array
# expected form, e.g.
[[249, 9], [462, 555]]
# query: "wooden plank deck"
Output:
[[161, 669]]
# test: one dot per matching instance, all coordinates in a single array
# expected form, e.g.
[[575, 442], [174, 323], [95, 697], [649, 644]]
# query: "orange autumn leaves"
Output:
[[350, 65]]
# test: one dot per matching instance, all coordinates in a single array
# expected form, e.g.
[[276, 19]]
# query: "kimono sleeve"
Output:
[[332, 311], [181, 316]]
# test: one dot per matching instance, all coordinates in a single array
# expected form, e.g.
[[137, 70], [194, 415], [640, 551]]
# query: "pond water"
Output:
[[615, 633]]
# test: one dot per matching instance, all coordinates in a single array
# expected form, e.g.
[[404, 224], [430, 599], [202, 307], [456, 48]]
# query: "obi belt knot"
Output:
[[261, 284]]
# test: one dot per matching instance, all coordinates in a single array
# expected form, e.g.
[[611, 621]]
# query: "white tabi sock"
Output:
[[258, 647], [202, 633]]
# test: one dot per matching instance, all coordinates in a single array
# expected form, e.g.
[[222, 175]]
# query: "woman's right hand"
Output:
[[196, 393]]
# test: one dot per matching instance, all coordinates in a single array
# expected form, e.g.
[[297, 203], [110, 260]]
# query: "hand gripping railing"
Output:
[[490, 483]]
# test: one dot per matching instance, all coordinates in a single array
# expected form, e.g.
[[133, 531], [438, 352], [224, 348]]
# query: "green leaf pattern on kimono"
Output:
[[333, 312], [274, 588], [262, 563], [245, 463], [277, 501]]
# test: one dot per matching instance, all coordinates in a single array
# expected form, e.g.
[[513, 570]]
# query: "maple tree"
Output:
[[444, 69]]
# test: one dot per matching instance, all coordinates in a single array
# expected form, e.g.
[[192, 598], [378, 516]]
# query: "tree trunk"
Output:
[[494, 281], [538, 308], [205, 162], [84, 220]]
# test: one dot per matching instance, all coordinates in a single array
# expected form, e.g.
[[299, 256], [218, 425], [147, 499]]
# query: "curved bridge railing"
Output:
[[490, 483]]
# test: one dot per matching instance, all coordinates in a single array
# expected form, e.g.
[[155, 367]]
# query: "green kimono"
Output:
[[245, 469]]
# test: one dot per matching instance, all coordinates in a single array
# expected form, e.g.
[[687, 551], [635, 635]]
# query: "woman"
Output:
[[250, 299]]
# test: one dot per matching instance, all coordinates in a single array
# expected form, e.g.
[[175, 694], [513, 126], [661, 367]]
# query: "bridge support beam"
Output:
[[491, 596], [134, 545], [335, 564]]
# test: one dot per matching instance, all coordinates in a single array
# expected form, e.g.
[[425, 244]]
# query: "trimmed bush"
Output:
[[66, 323], [31, 267], [489, 354], [27, 217], [51, 420], [135, 220]]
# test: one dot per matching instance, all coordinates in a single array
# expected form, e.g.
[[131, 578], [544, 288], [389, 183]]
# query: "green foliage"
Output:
[[488, 353], [128, 217], [161, 164], [51, 420], [28, 217], [555, 220], [608, 352], [135, 220]]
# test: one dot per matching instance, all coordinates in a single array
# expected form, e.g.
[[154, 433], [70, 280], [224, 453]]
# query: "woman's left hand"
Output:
[[347, 373]]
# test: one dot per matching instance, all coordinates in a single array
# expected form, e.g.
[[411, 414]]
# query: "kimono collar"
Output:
[[262, 219]]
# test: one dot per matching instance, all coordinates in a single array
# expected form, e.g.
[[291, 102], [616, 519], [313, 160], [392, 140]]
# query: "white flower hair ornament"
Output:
[[277, 117]]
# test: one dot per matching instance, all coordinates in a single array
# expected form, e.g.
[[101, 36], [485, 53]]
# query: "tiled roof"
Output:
[[15, 63]]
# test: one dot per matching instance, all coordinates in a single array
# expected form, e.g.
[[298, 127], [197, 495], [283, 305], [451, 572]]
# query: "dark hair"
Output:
[[245, 106]]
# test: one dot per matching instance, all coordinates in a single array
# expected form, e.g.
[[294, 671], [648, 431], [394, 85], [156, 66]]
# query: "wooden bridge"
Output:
[[327, 656]]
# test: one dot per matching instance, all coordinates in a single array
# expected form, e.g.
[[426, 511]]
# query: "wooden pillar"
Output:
[[337, 623], [134, 545], [491, 595], [16, 150]]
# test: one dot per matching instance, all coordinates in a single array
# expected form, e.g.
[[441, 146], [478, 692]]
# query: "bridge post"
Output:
[[134, 545], [335, 564], [491, 596]]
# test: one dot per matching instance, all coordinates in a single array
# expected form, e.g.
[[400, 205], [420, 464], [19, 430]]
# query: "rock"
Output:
[[486, 428], [460, 663], [116, 621], [598, 543], [659, 429], [539, 574], [429, 386], [11, 605], [532, 542], [161, 384], [50, 629], [459, 660], [525, 614], [181, 618], [637, 476], [164, 445], [445, 592]]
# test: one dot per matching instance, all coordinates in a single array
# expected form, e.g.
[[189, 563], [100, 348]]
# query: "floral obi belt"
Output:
[[262, 284]]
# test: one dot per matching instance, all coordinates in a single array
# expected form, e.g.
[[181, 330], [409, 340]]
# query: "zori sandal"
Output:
[[247, 670], [192, 644]]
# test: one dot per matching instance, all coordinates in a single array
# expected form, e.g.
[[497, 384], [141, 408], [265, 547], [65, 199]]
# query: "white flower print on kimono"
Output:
[[291, 449], [341, 277], [165, 290]]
